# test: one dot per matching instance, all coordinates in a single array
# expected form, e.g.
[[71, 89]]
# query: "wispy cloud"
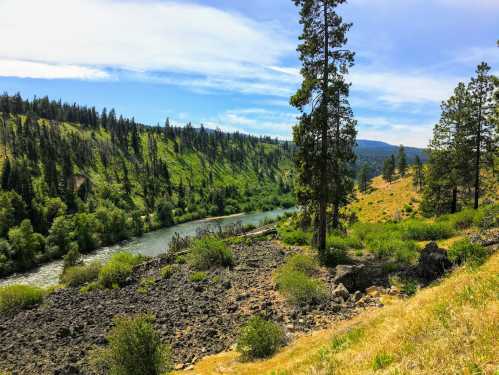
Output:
[[28, 69], [144, 37]]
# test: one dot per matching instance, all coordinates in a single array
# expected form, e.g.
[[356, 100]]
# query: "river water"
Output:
[[151, 244]]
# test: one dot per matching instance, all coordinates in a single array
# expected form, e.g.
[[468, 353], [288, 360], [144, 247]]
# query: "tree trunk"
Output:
[[453, 208], [336, 216], [323, 187], [478, 156]]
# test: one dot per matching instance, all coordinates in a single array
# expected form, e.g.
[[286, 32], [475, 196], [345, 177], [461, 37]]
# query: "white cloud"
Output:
[[146, 36], [28, 69], [257, 121], [398, 88], [394, 131]]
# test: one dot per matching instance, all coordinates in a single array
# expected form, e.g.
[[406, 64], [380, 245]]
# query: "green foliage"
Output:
[[60, 236], [487, 217], [386, 247], [73, 257], [209, 252], [77, 276], [381, 361], [466, 252], [116, 271], [342, 342], [25, 244], [18, 297], [301, 263], [113, 224], [134, 348], [164, 212], [87, 228], [259, 338], [421, 231], [299, 288], [167, 271], [292, 236], [198, 276]]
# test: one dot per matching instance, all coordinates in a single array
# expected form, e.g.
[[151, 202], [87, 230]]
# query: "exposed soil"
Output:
[[196, 319]]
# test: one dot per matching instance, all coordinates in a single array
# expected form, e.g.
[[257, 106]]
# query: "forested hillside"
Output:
[[73, 178]]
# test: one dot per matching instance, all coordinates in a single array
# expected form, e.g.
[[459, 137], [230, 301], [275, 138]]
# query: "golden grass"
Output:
[[386, 200], [449, 328]]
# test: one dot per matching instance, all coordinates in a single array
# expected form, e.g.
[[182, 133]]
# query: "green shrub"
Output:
[[332, 256], [18, 297], [461, 220], [381, 361], [134, 348], [487, 217], [210, 252], [197, 277], [299, 288], [301, 263], [115, 272], [259, 338], [387, 247], [80, 275], [295, 237], [466, 252], [421, 231], [167, 271]]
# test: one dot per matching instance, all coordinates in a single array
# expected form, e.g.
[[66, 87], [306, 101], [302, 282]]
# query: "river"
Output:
[[151, 244]]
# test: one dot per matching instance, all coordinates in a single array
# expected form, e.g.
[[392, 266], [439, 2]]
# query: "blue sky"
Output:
[[232, 64]]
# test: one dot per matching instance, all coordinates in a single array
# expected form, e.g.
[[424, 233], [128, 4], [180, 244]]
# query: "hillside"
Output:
[[101, 178]]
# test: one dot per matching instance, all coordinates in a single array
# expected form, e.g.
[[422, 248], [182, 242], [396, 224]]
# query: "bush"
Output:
[[333, 256], [466, 252], [299, 288], [461, 220], [199, 276], [18, 297], [295, 237], [167, 271], [487, 217], [421, 231], [115, 272], [387, 247], [135, 348], [301, 263], [259, 338], [80, 275], [210, 252], [73, 256]]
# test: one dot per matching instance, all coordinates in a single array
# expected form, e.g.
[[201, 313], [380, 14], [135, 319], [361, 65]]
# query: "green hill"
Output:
[[111, 178]]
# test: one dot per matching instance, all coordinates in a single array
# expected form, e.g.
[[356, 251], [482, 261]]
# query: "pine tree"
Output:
[[364, 180], [402, 161], [418, 176], [389, 169], [326, 134], [5, 176], [482, 128]]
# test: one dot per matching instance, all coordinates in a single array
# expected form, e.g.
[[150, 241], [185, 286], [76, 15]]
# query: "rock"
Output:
[[340, 292], [356, 296], [348, 275], [433, 262], [179, 366], [374, 291]]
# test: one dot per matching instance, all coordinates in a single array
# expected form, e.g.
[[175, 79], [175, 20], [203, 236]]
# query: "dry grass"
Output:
[[450, 328], [386, 200]]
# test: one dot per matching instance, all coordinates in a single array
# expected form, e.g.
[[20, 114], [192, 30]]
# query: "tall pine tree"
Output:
[[326, 133]]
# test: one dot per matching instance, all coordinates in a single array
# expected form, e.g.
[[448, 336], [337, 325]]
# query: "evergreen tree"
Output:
[[483, 135], [402, 161], [418, 176], [389, 169], [364, 180], [5, 176], [326, 134]]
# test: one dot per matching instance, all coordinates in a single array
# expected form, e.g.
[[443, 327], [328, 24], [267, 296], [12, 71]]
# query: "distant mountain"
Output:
[[375, 152]]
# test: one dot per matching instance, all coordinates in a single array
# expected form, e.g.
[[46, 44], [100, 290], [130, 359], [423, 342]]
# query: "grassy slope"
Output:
[[450, 328], [386, 200]]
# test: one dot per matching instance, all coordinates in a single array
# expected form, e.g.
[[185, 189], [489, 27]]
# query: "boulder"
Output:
[[349, 276], [433, 262], [340, 292]]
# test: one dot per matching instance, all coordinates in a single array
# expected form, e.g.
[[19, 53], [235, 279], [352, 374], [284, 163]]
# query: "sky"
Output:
[[233, 65]]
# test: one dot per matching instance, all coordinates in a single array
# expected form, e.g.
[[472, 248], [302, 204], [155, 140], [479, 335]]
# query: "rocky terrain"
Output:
[[195, 318]]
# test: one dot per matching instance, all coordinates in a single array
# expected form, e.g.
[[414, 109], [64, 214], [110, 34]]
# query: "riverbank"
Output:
[[196, 318], [150, 244]]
